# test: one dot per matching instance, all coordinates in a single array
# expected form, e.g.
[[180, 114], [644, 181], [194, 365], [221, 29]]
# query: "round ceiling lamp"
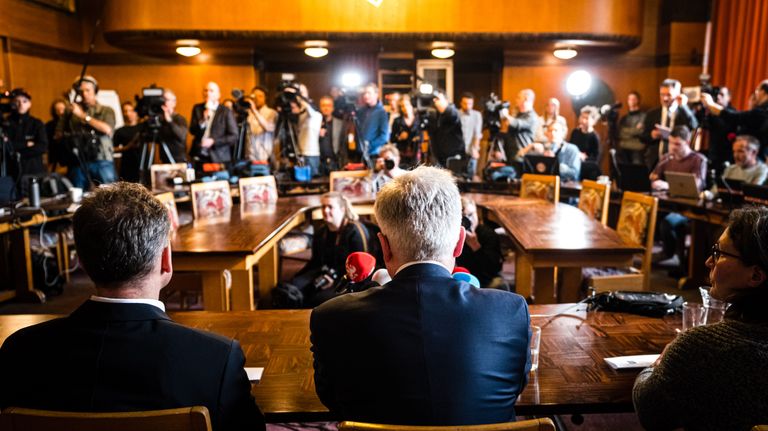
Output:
[[442, 49], [188, 47], [316, 48], [565, 53]]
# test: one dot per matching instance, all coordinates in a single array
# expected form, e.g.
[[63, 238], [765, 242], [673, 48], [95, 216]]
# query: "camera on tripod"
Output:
[[150, 106], [346, 102], [288, 91], [492, 113]]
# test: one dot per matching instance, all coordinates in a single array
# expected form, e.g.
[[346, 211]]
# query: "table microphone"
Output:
[[359, 266], [462, 274]]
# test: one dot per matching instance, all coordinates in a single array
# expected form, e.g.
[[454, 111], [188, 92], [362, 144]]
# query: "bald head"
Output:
[[211, 92]]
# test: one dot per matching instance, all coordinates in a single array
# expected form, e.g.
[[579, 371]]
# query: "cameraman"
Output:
[[26, 134], [753, 122], [261, 126], [446, 138], [173, 130], [89, 126], [522, 126], [387, 166], [309, 122]]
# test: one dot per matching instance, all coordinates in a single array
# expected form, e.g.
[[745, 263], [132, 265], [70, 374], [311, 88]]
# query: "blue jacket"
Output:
[[374, 127], [424, 349]]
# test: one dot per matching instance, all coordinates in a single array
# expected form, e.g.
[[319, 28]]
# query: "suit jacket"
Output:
[[422, 349], [126, 357], [683, 117], [223, 132]]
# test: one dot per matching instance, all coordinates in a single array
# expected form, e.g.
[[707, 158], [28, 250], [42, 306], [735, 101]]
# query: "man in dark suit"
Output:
[[424, 348], [214, 129], [660, 121], [333, 139], [119, 351]]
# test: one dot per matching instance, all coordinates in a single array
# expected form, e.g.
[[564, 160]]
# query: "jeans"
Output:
[[672, 231], [314, 164], [471, 168], [101, 172]]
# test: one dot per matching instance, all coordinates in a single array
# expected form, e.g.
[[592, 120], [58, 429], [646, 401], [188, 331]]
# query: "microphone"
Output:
[[467, 277], [359, 267], [381, 276]]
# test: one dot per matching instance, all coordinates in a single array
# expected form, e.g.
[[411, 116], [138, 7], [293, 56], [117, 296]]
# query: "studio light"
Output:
[[565, 53], [426, 88], [188, 47], [442, 49], [351, 80], [316, 48], [578, 83]]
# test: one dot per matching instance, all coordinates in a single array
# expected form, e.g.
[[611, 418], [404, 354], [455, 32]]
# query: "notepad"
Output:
[[636, 361], [254, 373]]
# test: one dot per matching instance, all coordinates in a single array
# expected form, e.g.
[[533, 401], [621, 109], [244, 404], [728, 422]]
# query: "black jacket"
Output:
[[223, 132], [22, 129], [174, 135], [753, 122], [126, 357], [445, 136], [424, 349]]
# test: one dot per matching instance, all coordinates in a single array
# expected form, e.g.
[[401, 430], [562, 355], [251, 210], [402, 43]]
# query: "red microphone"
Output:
[[360, 266]]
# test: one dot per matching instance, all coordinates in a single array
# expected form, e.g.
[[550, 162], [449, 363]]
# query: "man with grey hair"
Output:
[[522, 125], [425, 348], [119, 351]]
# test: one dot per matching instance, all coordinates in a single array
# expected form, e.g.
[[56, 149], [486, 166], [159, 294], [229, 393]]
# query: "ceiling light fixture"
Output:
[[316, 48], [565, 53], [442, 49], [188, 47]]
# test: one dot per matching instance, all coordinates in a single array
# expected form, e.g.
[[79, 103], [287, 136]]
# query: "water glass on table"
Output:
[[693, 315], [535, 345]]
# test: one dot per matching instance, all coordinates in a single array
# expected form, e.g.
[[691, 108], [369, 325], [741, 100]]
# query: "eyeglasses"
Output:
[[716, 253]]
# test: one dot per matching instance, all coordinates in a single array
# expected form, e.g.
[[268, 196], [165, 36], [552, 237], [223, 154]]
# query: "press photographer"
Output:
[[445, 133], [262, 121], [299, 126], [87, 128]]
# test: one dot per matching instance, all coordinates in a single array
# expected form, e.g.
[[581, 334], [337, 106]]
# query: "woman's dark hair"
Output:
[[53, 107], [748, 230]]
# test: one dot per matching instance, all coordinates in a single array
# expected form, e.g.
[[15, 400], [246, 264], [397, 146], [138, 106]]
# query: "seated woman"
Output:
[[340, 234], [713, 377]]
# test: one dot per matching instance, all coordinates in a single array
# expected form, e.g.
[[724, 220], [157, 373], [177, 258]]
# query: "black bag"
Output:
[[652, 304], [287, 295]]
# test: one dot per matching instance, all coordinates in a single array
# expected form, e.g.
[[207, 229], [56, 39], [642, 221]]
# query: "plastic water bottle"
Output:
[[34, 193]]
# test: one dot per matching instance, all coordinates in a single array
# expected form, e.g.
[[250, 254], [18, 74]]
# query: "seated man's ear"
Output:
[[386, 251], [460, 243], [166, 261]]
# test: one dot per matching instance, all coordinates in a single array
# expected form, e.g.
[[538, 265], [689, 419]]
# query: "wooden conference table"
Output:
[[545, 235], [572, 377]]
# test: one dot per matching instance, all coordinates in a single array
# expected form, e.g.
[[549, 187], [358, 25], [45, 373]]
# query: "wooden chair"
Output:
[[594, 199], [546, 187], [351, 183], [210, 199], [160, 172], [544, 424], [169, 202], [637, 225], [258, 191], [183, 419]]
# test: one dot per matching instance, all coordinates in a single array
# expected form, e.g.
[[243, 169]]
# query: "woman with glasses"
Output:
[[714, 377]]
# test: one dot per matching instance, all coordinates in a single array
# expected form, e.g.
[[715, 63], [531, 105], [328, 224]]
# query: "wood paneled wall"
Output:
[[27, 21], [44, 79], [607, 17]]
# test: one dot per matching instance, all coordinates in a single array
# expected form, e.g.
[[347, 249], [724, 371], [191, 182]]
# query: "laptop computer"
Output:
[[541, 165], [633, 178], [682, 185]]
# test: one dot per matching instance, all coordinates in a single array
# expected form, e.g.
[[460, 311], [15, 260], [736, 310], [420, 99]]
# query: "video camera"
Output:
[[345, 103], [287, 91], [492, 113], [150, 105]]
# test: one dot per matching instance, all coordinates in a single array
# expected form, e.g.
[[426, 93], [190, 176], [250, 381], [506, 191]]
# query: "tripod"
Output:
[[148, 140], [286, 134]]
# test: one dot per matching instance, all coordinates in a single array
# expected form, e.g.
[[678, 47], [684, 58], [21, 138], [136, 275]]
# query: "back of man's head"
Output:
[[120, 230], [420, 214], [681, 132]]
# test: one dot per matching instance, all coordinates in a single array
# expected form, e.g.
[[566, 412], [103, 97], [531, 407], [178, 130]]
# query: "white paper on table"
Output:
[[636, 361], [254, 373]]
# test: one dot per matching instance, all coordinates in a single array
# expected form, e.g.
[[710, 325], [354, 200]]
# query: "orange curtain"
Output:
[[740, 46]]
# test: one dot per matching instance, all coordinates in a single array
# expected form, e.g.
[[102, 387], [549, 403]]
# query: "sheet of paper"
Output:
[[636, 361], [665, 131], [254, 373]]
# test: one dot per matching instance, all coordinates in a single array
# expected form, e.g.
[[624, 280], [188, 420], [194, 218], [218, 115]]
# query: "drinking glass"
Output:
[[535, 344], [693, 315]]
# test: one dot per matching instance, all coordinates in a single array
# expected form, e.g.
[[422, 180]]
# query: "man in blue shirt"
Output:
[[372, 121]]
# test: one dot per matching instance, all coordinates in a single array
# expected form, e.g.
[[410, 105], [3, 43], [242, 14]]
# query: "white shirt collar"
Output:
[[153, 302], [416, 262], [211, 105]]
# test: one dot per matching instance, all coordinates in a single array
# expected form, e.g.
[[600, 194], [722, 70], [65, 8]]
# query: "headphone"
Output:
[[89, 79]]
